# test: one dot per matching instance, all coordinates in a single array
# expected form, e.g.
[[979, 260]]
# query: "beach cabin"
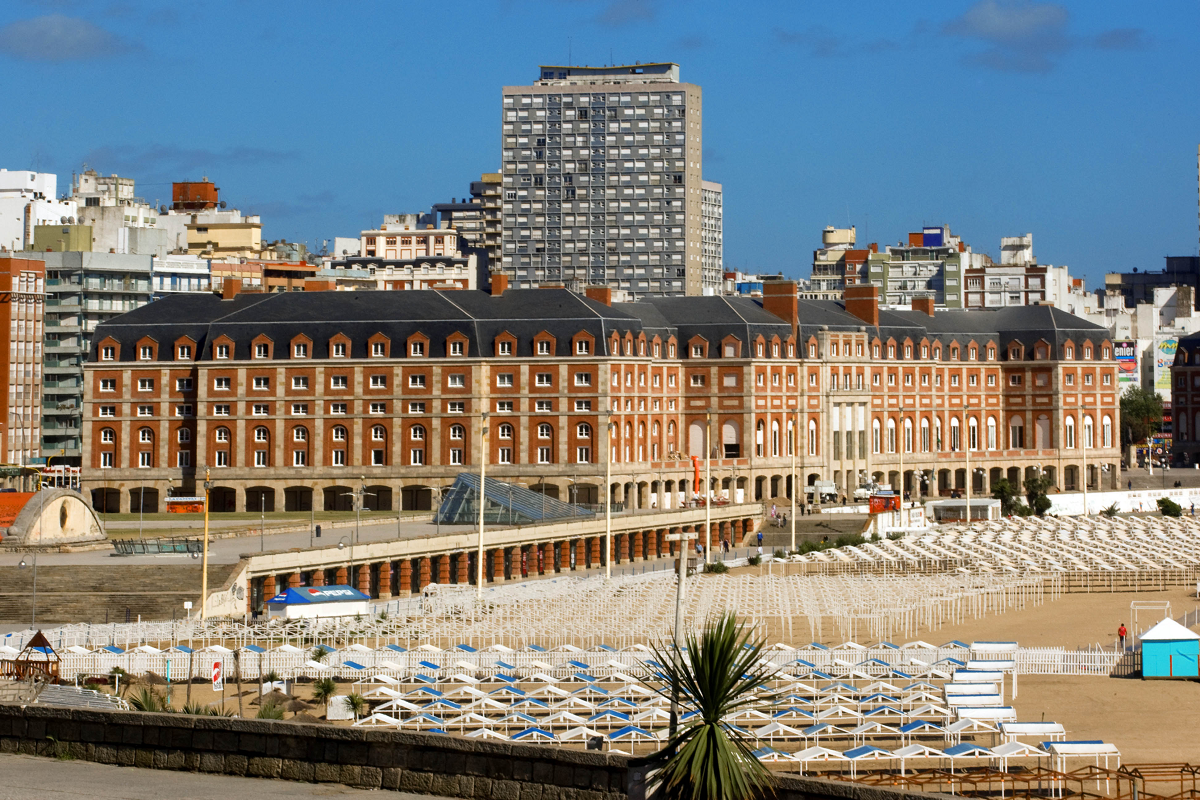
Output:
[[1170, 650], [304, 602]]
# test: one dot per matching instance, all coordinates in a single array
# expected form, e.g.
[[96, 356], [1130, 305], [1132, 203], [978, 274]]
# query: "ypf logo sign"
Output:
[[218, 677]]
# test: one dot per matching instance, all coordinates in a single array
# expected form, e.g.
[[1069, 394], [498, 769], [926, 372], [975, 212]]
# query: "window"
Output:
[[972, 380], [543, 347], [1016, 433], [504, 348], [1014, 380], [220, 410], [456, 407], [300, 351], [260, 458], [184, 352], [107, 436], [261, 410], [299, 409], [108, 384], [1069, 433], [583, 455], [145, 435], [183, 458], [416, 349], [299, 458], [222, 458], [697, 380], [183, 384], [108, 411], [991, 380], [145, 459], [222, 351], [299, 434], [505, 379], [544, 406], [379, 381], [1070, 378], [184, 410], [378, 408], [378, 433], [339, 350], [417, 433], [456, 455], [299, 382], [145, 353], [416, 457], [339, 458], [543, 455], [583, 405], [456, 348], [1106, 432], [106, 460], [262, 351], [504, 455], [145, 411], [145, 384], [505, 431], [585, 378], [416, 381], [108, 353], [260, 384], [1087, 379], [457, 381], [378, 349], [545, 379], [221, 384], [954, 380], [338, 382], [504, 406], [545, 431], [457, 432], [582, 348], [416, 408]]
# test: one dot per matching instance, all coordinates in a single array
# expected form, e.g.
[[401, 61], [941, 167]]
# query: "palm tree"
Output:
[[718, 674], [323, 690], [355, 704], [146, 699], [270, 711]]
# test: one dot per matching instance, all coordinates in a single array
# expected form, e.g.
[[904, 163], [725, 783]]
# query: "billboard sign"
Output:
[[879, 503], [1126, 353], [1164, 357]]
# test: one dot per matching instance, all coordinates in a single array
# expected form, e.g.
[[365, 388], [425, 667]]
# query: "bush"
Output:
[[716, 568], [1111, 511], [781, 553], [270, 711], [1169, 508], [847, 539], [754, 561], [895, 535]]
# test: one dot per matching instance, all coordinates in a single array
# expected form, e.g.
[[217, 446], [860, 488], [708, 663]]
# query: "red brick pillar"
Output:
[[623, 543], [423, 579], [747, 528], [581, 549], [671, 545], [364, 579], [564, 556], [318, 577], [726, 533], [385, 579], [444, 569], [637, 554], [405, 577], [737, 533], [293, 580], [268, 588], [594, 556], [340, 577], [464, 569], [498, 566]]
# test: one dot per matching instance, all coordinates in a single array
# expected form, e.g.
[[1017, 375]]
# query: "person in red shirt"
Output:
[[1121, 632]]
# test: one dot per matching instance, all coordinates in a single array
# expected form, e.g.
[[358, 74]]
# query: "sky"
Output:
[[1076, 122]]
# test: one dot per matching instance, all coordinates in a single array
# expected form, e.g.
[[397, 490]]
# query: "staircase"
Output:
[[97, 594]]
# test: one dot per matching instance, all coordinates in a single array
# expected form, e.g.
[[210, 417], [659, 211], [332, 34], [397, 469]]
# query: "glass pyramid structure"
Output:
[[505, 503]]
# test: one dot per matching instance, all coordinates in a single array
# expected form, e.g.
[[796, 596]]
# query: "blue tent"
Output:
[[1170, 650], [318, 594]]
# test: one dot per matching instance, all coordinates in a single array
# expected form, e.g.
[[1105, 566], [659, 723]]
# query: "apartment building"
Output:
[[408, 252], [477, 219], [22, 309], [601, 171], [293, 399], [712, 228], [27, 200], [120, 221]]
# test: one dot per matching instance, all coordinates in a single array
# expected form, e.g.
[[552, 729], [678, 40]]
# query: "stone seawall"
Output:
[[448, 766]]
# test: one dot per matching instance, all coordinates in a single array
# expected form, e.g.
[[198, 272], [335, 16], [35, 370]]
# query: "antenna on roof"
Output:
[[568, 51]]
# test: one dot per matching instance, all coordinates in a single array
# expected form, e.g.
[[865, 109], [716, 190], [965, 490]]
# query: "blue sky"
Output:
[[1077, 122]]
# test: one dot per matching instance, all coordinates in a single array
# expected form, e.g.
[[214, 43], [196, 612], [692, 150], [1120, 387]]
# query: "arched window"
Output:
[[184, 436], [973, 433], [1106, 432], [583, 430], [938, 442], [299, 434], [417, 433], [791, 437], [339, 434], [655, 429], [545, 431], [812, 437], [641, 430], [261, 434], [457, 432], [891, 435], [955, 439], [908, 436], [925, 442], [775, 438], [222, 434], [991, 433], [760, 434], [505, 431], [1016, 432], [1088, 441], [108, 436], [696, 438], [378, 433], [1069, 433], [875, 436], [146, 435]]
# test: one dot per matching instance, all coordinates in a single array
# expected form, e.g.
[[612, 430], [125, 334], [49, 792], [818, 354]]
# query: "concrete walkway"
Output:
[[23, 777]]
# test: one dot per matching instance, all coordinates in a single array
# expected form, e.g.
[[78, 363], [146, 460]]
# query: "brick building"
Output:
[[22, 311], [291, 398]]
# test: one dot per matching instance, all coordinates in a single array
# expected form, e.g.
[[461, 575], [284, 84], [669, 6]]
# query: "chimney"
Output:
[[923, 304], [601, 294], [863, 302], [874, 247], [499, 284], [779, 298], [230, 288]]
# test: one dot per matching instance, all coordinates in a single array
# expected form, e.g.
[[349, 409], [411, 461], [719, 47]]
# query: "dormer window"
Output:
[[378, 349], [416, 349], [108, 353], [222, 351], [185, 351], [456, 348], [697, 351], [262, 350], [505, 348], [543, 347], [339, 349], [300, 351], [145, 353]]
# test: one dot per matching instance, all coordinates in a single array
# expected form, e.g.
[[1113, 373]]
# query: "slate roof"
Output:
[[526, 312]]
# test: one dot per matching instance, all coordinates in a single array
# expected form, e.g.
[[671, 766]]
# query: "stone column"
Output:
[[404, 578], [385, 579], [464, 576], [423, 578], [444, 569]]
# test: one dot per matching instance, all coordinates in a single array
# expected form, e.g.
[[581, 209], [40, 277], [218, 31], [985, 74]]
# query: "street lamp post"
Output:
[[204, 561], [262, 520], [967, 450], [22, 565], [795, 445], [707, 484], [483, 454], [608, 540], [1085, 464]]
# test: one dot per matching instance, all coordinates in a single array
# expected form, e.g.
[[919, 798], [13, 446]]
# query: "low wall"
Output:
[[1070, 503], [448, 766]]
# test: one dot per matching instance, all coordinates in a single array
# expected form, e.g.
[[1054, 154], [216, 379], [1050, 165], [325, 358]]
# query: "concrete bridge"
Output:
[[400, 567]]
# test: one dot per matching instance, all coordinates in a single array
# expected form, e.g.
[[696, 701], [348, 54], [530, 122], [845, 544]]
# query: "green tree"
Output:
[[717, 674], [1141, 415], [355, 704], [1008, 495], [323, 690], [1036, 490], [1169, 508]]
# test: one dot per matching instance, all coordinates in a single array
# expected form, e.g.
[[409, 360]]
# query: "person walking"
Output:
[[760, 538], [1121, 633], [1130, 484]]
